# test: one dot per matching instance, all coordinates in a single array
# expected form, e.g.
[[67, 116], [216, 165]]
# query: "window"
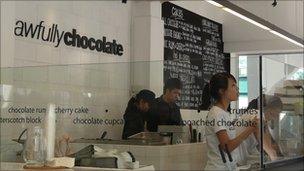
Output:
[[243, 83]]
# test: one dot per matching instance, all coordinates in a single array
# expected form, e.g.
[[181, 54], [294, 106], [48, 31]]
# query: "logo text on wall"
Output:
[[53, 35]]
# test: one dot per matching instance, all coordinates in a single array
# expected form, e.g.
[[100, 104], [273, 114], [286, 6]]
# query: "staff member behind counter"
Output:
[[135, 114], [241, 141], [222, 139], [165, 111]]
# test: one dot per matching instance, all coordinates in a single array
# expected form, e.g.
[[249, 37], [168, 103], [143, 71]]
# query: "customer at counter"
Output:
[[272, 107], [222, 141], [136, 111], [165, 111]]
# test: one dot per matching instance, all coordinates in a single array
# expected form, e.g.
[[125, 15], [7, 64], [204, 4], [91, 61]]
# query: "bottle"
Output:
[[50, 128], [34, 152], [199, 137]]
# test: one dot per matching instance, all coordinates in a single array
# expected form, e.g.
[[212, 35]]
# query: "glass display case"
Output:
[[90, 100], [275, 90], [283, 88]]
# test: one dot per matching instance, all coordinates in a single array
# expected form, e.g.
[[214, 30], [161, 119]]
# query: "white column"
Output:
[[147, 49]]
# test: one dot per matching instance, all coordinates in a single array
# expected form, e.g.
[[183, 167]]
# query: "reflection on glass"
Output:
[[88, 97], [291, 134], [283, 77]]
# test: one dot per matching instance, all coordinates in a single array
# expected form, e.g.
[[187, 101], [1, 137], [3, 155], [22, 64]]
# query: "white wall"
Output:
[[83, 16], [35, 73], [253, 72]]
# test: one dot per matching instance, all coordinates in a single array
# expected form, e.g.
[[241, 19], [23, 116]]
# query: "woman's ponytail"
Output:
[[206, 98]]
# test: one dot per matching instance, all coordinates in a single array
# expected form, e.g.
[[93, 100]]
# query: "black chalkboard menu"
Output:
[[193, 52]]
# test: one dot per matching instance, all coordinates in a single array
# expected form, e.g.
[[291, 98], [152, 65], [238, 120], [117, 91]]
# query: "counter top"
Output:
[[19, 166], [126, 142], [187, 156], [122, 142]]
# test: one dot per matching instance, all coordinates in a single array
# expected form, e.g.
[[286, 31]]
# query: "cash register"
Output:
[[167, 134], [179, 134]]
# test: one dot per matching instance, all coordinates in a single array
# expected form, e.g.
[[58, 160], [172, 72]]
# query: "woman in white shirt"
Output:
[[221, 134]]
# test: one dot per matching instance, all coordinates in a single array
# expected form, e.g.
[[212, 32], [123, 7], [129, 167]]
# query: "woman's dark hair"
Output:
[[217, 82], [206, 98], [211, 89], [269, 102], [145, 95], [173, 83]]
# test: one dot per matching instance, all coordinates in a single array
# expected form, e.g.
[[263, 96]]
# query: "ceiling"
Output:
[[242, 36]]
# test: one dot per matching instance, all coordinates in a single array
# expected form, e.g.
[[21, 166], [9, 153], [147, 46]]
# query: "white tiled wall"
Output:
[[66, 76]]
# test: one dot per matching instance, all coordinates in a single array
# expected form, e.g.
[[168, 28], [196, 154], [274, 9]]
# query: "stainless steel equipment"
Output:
[[180, 134]]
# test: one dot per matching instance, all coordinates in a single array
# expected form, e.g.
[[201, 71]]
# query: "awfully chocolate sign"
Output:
[[53, 35]]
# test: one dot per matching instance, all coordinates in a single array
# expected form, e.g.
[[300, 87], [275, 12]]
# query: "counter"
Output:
[[190, 156], [19, 166]]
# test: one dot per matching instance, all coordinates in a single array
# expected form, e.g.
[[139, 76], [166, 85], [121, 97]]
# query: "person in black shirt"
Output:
[[165, 111], [135, 113]]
